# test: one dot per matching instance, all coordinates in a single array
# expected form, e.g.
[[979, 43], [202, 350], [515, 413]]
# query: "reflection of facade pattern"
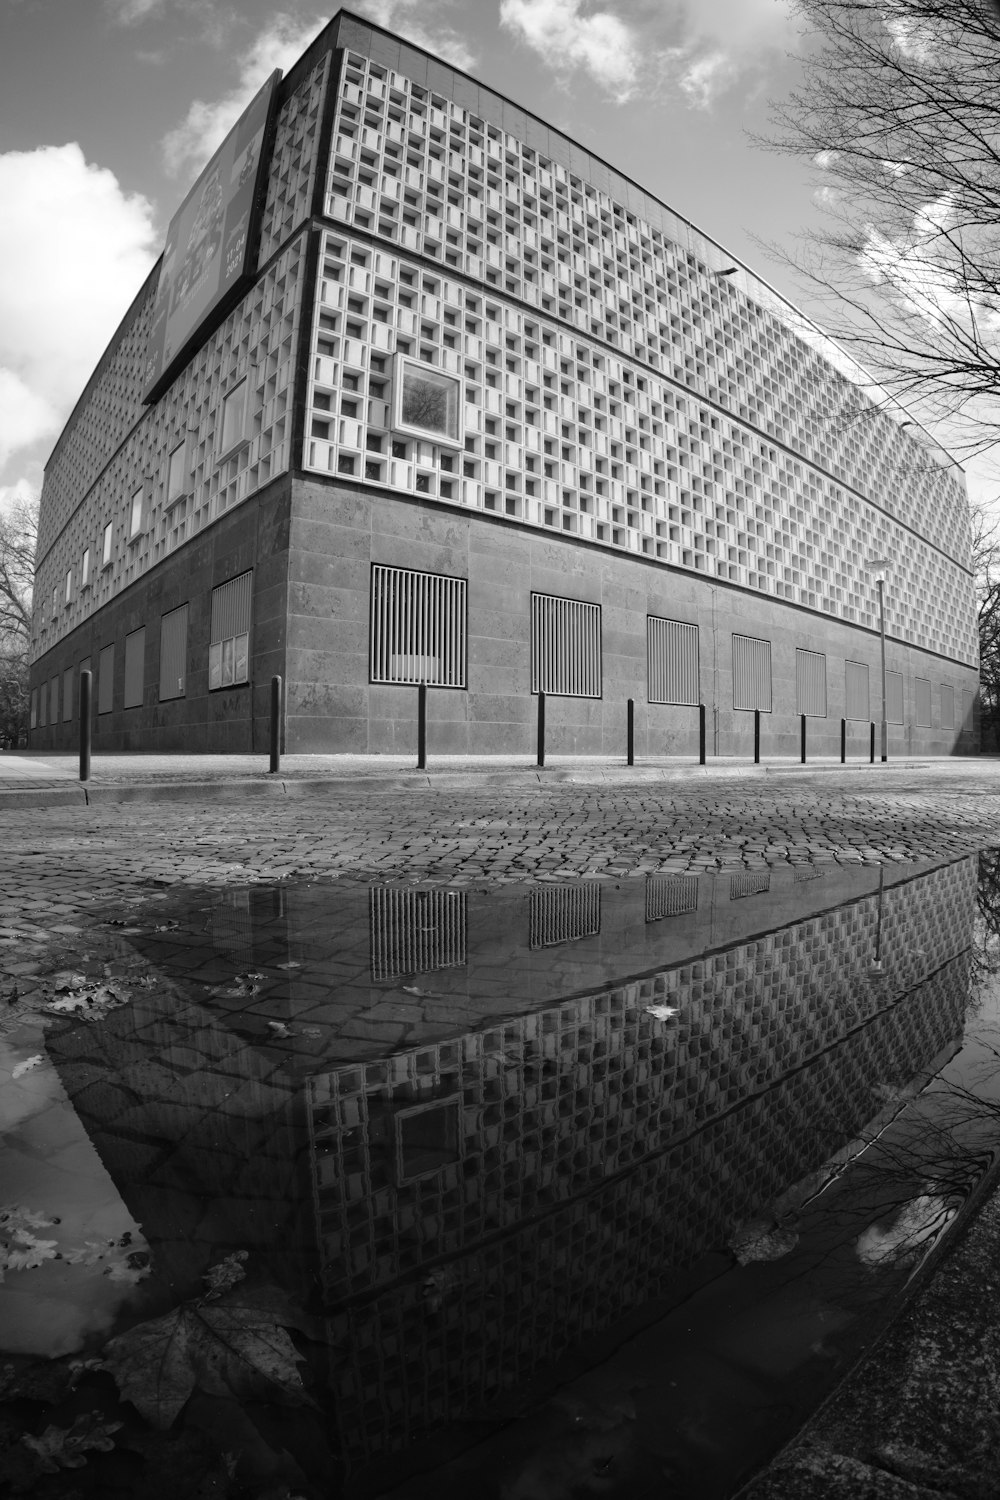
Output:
[[768, 1069]]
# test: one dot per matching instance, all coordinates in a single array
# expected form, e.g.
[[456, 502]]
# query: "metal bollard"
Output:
[[275, 724], [843, 742], [802, 738], [756, 736], [86, 727], [701, 734], [541, 727], [873, 742], [631, 732], [422, 727]]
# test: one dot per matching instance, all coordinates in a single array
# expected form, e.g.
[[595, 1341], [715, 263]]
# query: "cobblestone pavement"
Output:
[[61, 857]]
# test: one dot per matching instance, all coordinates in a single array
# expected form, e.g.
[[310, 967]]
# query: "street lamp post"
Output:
[[879, 566]]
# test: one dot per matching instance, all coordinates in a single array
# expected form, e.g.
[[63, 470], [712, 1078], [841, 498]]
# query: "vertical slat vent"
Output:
[[415, 932], [947, 706], [749, 883], [563, 913], [856, 695], [810, 683], [672, 661], [173, 653], [565, 647], [670, 896], [231, 608], [751, 673], [229, 648], [418, 627], [106, 680], [968, 710], [922, 701], [894, 697], [67, 695], [135, 656]]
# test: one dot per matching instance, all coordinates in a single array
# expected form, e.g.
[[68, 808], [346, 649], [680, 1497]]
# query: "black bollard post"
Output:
[[631, 732], [541, 727], [873, 742], [86, 727], [843, 742], [275, 724], [701, 734], [756, 736], [422, 727], [802, 738]]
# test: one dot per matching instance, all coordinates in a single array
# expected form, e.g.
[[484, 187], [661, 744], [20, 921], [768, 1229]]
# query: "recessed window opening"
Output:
[[229, 647], [418, 627], [565, 647], [672, 661]]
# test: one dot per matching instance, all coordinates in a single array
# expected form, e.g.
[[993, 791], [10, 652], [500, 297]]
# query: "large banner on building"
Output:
[[208, 243]]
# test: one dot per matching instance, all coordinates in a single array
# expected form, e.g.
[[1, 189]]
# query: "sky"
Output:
[[109, 109]]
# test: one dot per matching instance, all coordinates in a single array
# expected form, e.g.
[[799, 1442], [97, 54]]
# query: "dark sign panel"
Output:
[[208, 243]]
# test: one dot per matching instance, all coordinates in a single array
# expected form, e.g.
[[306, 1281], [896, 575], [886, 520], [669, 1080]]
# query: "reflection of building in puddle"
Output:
[[487, 1203]]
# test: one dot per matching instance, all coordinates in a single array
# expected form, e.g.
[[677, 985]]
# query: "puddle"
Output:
[[327, 1190]]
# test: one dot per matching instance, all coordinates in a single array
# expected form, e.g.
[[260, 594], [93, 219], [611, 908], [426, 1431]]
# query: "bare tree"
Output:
[[899, 112], [18, 538]]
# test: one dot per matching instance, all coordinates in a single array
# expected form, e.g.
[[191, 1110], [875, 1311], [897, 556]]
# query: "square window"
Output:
[[427, 401]]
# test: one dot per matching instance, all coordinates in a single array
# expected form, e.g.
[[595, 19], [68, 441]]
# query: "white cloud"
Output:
[[189, 146], [130, 12], [634, 48], [74, 252], [423, 23], [825, 159], [895, 168], [566, 39]]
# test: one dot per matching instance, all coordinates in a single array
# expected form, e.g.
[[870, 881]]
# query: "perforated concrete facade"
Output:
[[623, 390]]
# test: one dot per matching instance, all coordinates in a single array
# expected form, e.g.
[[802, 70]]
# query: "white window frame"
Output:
[[85, 569], [137, 514], [406, 371], [234, 434], [176, 485], [68, 596], [107, 544]]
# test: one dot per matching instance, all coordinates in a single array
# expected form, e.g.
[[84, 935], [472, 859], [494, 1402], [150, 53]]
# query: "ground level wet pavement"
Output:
[[432, 1182]]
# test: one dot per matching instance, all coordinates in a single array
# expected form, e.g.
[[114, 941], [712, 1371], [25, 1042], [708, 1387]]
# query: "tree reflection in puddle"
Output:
[[569, 1189]]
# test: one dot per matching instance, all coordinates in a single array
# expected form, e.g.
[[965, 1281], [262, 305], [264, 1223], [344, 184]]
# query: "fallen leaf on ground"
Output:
[[221, 1348], [65, 1447], [762, 1241], [92, 1002], [27, 1065], [227, 1274]]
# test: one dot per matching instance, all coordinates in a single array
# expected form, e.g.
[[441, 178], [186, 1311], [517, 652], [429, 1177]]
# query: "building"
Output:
[[421, 390]]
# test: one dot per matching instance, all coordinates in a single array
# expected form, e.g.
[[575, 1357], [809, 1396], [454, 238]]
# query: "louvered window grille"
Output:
[[672, 661], [415, 932], [67, 695], [561, 914], [856, 695], [894, 697], [106, 680], [135, 656], [968, 711], [810, 683], [54, 701], [418, 627], [751, 673], [229, 648], [947, 706], [749, 883], [173, 653], [232, 928], [670, 896], [565, 647], [922, 701]]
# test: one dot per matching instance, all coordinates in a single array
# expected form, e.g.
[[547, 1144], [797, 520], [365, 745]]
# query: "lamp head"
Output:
[[879, 566]]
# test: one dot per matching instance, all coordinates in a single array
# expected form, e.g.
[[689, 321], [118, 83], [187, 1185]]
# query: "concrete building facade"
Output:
[[486, 415]]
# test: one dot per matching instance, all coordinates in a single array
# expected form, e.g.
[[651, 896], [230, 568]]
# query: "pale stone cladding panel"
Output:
[[338, 531]]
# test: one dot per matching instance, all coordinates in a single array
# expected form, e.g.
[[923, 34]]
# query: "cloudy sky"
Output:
[[111, 107]]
